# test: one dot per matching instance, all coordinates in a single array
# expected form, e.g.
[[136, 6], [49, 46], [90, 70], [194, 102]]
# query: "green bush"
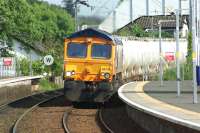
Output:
[[37, 67], [170, 74], [46, 85], [24, 67]]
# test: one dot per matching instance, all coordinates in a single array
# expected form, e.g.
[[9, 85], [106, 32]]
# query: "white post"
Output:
[[163, 7], [180, 7], [194, 51], [160, 53], [178, 78], [114, 21], [131, 10], [147, 7], [190, 16]]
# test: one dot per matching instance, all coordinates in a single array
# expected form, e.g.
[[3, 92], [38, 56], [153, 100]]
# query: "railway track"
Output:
[[110, 118], [10, 112], [50, 112], [84, 120]]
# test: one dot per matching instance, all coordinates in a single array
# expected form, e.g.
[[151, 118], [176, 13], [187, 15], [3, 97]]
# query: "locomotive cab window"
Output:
[[101, 51], [76, 50]]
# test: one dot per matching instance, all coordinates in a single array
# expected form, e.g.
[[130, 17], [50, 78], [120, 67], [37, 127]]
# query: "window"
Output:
[[101, 51], [77, 50]]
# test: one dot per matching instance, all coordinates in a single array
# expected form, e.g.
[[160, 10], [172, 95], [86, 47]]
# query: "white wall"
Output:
[[20, 52]]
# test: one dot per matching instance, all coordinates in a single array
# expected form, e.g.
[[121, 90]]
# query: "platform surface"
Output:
[[163, 102]]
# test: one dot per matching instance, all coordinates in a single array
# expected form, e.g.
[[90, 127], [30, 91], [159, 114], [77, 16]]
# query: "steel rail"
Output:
[[64, 120], [33, 108], [105, 126], [3, 106]]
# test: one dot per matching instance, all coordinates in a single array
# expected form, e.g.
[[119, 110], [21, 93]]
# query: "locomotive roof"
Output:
[[90, 32]]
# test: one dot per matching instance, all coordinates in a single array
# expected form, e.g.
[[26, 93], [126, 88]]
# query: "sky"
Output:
[[100, 7], [104, 7]]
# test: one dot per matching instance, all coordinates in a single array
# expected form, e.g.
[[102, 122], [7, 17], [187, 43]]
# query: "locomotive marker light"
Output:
[[106, 75], [48, 60]]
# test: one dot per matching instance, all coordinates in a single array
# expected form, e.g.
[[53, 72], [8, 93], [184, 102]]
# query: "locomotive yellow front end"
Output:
[[88, 60], [88, 68]]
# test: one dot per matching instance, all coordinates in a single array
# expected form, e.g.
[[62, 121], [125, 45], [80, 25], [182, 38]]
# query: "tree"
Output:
[[137, 31], [36, 24]]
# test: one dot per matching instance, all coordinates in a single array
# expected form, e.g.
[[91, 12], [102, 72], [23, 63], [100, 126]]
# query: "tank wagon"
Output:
[[93, 65], [141, 56]]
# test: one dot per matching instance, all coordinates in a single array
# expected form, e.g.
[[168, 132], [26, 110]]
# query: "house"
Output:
[[150, 23]]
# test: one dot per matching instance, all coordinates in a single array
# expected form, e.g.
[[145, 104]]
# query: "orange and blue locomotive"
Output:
[[93, 64]]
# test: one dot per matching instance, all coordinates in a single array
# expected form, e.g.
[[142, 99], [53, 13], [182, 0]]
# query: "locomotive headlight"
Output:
[[68, 74], [73, 73], [106, 75]]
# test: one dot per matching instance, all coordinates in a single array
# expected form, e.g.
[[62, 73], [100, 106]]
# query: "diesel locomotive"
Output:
[[93, 65]]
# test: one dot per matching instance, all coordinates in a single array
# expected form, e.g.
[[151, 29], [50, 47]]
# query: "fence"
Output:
[[7, 67]]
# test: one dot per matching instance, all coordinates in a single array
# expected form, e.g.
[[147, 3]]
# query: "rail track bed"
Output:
[[83, 120], [51, 113], [45, 118], [109, 118], [9, 113]]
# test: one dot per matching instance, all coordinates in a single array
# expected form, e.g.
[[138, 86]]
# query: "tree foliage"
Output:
[[38, 25], [35, 23]]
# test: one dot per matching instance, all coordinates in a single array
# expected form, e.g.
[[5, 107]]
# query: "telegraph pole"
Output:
[[76, 16], [82, 2]]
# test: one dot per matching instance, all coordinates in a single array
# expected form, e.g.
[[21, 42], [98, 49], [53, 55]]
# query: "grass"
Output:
[[170, 74], [46, 85]]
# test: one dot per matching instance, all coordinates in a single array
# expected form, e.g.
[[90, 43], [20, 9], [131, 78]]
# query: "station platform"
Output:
[[159, 110]]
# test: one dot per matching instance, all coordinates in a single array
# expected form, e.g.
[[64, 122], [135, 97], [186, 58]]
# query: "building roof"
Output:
[[147, 22]]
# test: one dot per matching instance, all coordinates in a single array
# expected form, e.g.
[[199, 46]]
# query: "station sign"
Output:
[[48, 60], [7, 61], [169, 56]]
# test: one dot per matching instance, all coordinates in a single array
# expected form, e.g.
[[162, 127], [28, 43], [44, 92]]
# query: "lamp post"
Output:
[[194, 61], [160, 53], [178, 76]]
